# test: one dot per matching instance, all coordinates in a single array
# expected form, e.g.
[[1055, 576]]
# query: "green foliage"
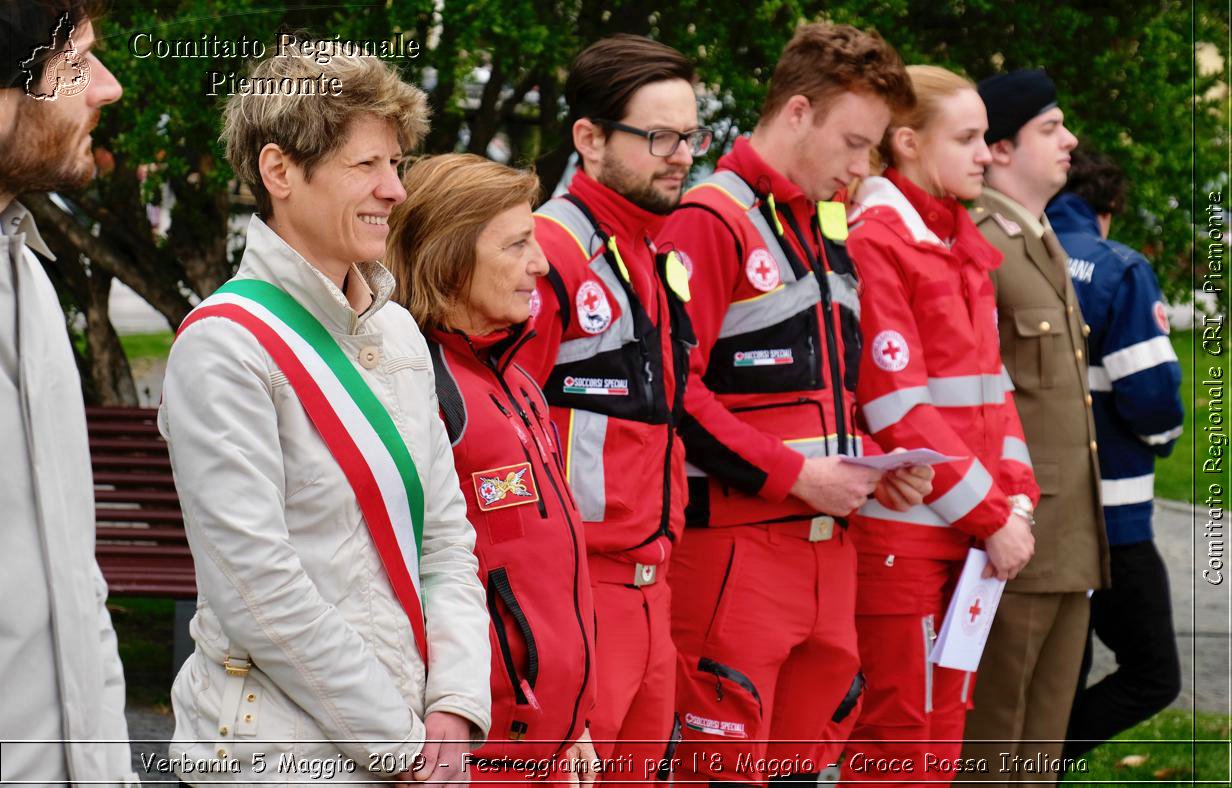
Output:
[[1175, 747]]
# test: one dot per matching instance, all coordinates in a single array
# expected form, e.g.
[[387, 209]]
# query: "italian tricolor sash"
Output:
[[350, 419]]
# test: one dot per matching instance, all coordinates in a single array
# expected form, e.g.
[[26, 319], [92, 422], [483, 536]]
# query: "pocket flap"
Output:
[[1047, 476], [1038, 321]]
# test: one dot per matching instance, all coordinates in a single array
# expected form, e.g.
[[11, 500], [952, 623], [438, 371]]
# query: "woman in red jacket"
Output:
[[463, 249], [930, 376]]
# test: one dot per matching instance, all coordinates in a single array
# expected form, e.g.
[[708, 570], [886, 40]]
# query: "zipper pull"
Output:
[[512, 421], [718, 689], [530, 695]]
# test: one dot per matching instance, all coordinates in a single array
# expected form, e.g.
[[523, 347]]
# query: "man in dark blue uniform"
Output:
[[1135, 384]]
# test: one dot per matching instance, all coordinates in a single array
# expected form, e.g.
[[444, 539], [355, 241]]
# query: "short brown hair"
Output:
[[309, 127], [930, 84], [607, 73], [432, 234], [823, 60]]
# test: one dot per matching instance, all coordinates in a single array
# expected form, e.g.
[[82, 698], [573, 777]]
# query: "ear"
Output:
[[905, 143], [274, 166], [1002, 151], [589, 140], [798, 112]]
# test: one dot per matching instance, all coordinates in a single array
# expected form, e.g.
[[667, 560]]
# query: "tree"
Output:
[[495, 69]]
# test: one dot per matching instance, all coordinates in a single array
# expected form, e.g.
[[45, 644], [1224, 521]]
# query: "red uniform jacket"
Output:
[[775, 311], [931, 373], [529, 541], [611, 392]]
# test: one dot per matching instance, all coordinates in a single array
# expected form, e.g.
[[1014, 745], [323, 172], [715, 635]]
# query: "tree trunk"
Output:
[[113, 377]]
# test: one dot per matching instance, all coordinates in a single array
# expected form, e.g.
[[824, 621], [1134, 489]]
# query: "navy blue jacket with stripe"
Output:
[[1134, 374]]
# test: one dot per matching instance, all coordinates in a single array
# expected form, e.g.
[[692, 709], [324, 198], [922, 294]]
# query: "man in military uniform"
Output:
[[1030, 665]]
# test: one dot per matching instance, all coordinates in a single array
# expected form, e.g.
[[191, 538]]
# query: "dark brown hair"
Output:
[[823, 60], [607, 73], [1097, 179]]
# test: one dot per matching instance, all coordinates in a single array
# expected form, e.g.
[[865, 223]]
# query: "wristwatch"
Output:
[[1021, 505]]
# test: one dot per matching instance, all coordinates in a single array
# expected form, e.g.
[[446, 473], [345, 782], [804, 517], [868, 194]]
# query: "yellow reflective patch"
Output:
[[833, 219], [677, 277], [620, 263]]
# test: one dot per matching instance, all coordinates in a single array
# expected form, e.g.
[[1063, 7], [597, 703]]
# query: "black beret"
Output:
[[31, 32], [1015, 98]]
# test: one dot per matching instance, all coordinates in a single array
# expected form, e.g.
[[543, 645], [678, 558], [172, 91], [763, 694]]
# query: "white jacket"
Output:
[[286, 569], [60, 675]]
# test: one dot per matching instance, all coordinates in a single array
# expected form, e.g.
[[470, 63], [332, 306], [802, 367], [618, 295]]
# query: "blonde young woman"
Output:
[[463, 249], [930, 376]]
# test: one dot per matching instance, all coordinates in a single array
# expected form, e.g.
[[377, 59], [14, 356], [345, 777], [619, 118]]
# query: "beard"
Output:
[[641, 192], [43, 151]]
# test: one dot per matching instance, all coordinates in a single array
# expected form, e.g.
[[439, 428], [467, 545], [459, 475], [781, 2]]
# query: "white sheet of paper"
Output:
[[960, 644], [888, 462]]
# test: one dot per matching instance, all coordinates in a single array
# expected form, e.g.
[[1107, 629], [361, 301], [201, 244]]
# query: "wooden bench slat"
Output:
[[137, 496]]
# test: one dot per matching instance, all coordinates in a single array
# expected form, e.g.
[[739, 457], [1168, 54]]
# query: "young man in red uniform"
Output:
[[763, 612], [611, 350]]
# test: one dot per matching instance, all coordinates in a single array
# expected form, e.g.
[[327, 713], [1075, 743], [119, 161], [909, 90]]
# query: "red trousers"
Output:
[[763, 621], [631, 724], [910, 727]]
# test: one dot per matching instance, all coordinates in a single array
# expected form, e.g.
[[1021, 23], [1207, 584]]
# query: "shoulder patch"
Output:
[[593, 309], [761, 269], [509, 485], [890, 351], [1011, 227]]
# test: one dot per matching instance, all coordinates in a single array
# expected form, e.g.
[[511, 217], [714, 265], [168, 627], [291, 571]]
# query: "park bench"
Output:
[[139, 536]]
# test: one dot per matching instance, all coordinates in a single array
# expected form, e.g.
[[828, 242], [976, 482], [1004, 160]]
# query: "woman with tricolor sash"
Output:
[[463, 249], [341, 629]]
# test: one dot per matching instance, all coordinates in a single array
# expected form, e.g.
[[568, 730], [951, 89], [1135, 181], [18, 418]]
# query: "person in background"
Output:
[[462, 247], [610, 350], [764, 580], [1135, 381], [60, 673], [931, 376], [339, 613], [1030, 664]]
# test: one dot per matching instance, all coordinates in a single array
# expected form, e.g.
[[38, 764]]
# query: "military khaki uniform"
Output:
[[1030, 666]]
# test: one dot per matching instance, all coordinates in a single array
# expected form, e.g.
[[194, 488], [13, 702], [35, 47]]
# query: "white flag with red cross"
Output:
[[960, 644]]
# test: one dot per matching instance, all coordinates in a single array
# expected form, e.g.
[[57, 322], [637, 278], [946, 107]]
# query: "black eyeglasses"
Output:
[[664, 142]]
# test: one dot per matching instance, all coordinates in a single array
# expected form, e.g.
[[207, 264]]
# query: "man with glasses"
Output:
[[764, 583], [611, 350]]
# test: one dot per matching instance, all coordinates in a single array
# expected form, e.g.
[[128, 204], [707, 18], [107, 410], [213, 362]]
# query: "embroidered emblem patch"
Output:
[[730, 729], [610, 387], [510, 485], [1161, 317], [763, 358], [1011, 227], [890, 352], [536, 303], [762, 271], [594, 311]]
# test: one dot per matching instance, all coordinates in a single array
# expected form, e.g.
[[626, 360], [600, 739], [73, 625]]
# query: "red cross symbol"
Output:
[[974, 610], [891, 350], [590, 300], [763, 269]]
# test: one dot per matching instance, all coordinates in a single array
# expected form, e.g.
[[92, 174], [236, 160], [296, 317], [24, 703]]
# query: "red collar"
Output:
[[500, 345], [949, 220], [615, 214], [745, 162]]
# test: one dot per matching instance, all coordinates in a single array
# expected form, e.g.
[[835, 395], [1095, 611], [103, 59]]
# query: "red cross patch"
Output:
[[890, 351], [973, 612], [762, 270], [594, 311], [1161, 317]]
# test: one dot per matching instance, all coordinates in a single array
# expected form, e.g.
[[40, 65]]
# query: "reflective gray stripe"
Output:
[[1015, 449], [889, 408], [916, 515], [734, 185], [1006, 380], [573, 220], [1160, 438], [843, 291], [692, 470], [1098, 380], [586, 437], [772, 308], [967, 391], [1139, 356], [929, 636], [825, 447], [960, 499], [1121, 492]]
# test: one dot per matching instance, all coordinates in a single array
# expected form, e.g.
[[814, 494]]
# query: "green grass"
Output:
[[153, 346], [1176, 748], [1174, 475], [145, 628]]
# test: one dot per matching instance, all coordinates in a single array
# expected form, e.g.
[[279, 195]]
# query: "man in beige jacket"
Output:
[[61, 683], [1030, 665]]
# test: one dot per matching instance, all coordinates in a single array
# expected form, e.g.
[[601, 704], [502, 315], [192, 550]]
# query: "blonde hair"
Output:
[[930, 84], [432, 235], [310, 123]]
